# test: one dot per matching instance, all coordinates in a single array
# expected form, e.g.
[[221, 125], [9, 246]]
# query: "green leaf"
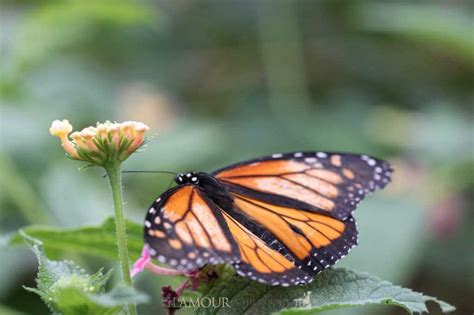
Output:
[[334, 288], [90, 240], [68, 289], [74, 301]]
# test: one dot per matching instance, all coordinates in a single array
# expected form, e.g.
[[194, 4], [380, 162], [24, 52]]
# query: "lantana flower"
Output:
[[101, 144], [107, 145]]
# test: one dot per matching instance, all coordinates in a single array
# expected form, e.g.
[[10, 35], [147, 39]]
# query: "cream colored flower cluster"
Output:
[[107, 142]]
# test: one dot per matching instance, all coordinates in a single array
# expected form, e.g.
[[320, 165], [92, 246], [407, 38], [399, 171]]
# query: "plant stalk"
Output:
[[115, 179]]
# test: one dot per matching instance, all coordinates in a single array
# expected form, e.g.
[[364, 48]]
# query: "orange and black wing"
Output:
[[311, 241], [332, 183], [262, 257], [300, 204], [186, 230]]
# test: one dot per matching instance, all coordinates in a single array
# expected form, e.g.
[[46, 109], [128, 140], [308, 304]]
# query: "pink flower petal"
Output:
[[141, 263]]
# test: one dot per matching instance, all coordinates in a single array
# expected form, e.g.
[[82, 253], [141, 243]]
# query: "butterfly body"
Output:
[[279, 219]]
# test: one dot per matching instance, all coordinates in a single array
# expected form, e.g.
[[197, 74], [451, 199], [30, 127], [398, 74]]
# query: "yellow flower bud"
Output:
[[106, 143], [61, 129]]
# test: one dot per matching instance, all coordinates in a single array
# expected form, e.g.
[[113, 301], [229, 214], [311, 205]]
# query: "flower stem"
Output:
[[115, 179]]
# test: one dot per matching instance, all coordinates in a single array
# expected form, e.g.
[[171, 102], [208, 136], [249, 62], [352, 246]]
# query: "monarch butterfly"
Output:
[[279, 219]]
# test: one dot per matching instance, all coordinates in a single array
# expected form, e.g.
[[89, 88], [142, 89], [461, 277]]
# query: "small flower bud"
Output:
[[61, 129], [103, 144]]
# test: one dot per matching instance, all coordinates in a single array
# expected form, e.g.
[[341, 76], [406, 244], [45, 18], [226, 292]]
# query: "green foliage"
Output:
[[448, 29], [67, 289], [334, 288], [79, 21], [91, 240]]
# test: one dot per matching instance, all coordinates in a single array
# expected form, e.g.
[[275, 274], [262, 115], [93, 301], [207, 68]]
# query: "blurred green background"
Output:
[[223, 81]]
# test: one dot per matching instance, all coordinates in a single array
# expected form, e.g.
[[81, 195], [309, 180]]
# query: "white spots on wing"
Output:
[[371, 162], [277, 155], [148, 224], [321, 155], [158, 200], [152, 210], [310, 160], [378, 169], [298, 154]]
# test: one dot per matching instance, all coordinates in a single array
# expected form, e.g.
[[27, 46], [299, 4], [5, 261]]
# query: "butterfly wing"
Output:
[[305, 201], [259, 261], [311, 241], [332, 183], [186, 230]]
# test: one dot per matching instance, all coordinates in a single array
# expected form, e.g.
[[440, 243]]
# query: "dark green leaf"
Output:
[[91, 240], [67, 289], [335, 288]]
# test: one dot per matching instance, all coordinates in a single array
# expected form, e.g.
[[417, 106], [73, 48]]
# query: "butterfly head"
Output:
[[187, 178]]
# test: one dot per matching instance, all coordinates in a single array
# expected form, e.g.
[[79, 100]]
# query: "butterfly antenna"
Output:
[[162, 172], [159, 172]]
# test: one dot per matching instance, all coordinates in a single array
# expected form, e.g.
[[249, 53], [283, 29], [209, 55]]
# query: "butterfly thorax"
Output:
[[207, 184]]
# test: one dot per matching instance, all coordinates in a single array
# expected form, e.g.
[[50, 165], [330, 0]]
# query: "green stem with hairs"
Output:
[[115, 179]]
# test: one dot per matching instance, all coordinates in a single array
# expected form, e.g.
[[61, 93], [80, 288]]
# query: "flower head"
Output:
[[101, 144]]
